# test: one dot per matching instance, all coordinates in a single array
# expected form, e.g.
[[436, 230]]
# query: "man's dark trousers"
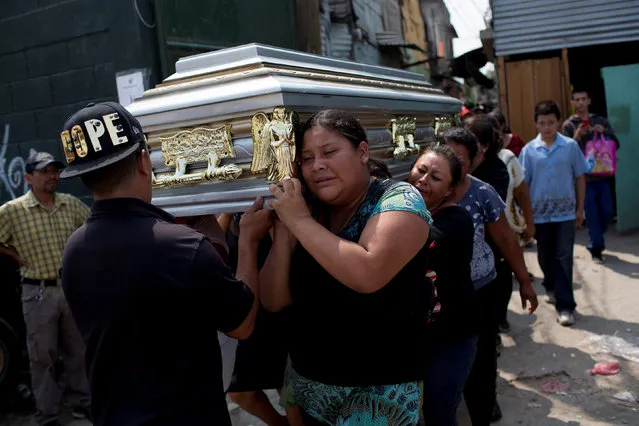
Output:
[[555, 245]]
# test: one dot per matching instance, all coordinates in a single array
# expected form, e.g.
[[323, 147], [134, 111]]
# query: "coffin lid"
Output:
[[233, 84]]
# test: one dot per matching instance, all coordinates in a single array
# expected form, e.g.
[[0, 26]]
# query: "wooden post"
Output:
[[307, 15], [503, 91], [567, 85]]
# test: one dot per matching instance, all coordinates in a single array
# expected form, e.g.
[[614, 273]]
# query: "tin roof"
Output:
[[523, 26]]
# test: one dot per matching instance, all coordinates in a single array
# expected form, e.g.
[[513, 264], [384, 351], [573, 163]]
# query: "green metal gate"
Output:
[[188, 27]]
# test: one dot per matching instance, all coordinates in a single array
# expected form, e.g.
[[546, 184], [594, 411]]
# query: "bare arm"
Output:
[[505, 240], [580, 132], [522, 195], [274, 275], [224, 220], [389, 241], [580, 191], [254, 225], [7, 250], [247, 273], [6, 232]]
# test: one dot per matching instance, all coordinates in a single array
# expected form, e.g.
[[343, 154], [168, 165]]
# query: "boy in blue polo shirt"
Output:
[[555, 170]]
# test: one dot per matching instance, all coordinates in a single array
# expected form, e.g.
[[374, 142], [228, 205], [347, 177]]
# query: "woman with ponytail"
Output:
[[489, 169], [350, 261]]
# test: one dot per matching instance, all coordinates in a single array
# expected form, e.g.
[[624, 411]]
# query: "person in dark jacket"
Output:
[[599, 203]]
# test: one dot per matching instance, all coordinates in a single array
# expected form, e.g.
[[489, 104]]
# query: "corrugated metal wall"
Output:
[[392, 16], [325, 27], [351, 30], [341, 41], [340, 9], [522, 26]]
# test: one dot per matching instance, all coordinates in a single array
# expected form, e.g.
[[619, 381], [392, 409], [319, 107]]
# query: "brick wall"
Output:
[[55, 57]]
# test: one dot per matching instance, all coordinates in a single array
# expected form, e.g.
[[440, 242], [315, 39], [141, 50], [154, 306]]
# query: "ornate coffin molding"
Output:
[[222, 127], [192, 146]]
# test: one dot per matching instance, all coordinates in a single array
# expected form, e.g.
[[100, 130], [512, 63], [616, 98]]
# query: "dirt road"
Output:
[[538, 351]]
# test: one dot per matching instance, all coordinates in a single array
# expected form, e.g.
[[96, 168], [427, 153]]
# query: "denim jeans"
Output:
[[555, 244], [449, 365], [598, 209]]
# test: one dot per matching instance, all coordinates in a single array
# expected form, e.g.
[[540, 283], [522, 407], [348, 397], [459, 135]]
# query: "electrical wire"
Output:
[[137, 11]]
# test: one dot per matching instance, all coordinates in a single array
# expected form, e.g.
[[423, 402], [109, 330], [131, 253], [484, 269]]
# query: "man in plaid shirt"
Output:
[[34, 230]]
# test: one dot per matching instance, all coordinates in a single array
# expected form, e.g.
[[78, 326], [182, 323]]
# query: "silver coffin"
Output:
[[209, 106]]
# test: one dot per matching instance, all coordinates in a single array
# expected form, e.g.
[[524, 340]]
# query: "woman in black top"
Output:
[[351, 265], [452, 336], [489, 168]]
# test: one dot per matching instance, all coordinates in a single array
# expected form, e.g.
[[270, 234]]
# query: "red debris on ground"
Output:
[[553, 386], [606, 368]]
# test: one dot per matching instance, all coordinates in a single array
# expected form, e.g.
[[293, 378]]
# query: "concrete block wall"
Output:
[[55, 57]]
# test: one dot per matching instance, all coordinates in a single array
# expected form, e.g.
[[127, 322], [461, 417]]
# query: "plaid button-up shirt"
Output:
[[38, 234]]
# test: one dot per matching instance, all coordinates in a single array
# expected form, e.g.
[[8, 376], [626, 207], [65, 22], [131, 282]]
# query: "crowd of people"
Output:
[[362, 299]]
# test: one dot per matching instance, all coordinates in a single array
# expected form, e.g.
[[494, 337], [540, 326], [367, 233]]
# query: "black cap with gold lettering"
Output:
[[97, 136]]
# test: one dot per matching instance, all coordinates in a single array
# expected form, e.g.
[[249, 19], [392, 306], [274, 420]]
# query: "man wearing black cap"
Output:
[[148, 294], [34, 230]]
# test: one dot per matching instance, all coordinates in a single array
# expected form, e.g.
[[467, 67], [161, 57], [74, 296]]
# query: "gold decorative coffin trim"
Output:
[[444, 123], [404, 130], [197, 145], [274, 143]]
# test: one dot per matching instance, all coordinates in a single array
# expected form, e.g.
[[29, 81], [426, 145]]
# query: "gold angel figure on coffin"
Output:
[[403, 130], [274, 144]]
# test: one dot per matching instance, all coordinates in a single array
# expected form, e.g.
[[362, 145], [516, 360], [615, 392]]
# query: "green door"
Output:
[[188, 27], [622, 98]]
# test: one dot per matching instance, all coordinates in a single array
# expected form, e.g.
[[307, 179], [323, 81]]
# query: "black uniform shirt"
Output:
[[148, 296]]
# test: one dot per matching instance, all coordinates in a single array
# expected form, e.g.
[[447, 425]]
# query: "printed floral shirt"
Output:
[[485, 206]]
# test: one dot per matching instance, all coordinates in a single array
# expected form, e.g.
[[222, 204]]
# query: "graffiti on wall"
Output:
[[12, 170]]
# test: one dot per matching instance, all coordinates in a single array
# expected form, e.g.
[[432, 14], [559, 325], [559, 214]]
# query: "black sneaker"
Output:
[[53, 423], [496, 415], [82, 413], [596, 253]]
